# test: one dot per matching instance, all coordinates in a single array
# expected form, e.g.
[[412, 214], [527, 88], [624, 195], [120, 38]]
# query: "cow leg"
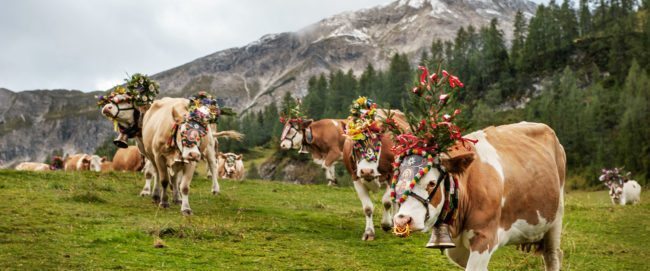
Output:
[[366, 202], [387, 217], [188, 171], [481, 248], [551, 252], [149, 174], [459, 254], [175, 184], [212, 164], [162, 182], [330, 170]]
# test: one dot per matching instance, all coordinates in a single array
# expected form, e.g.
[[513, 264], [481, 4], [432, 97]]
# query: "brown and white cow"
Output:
[[230, 166], [511, 192], [33, 166], [158, 122], [370, 176], [128, 159], [324, 139], [79, 162]]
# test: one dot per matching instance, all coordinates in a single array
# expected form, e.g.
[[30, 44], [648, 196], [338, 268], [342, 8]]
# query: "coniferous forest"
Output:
[[579, 67]]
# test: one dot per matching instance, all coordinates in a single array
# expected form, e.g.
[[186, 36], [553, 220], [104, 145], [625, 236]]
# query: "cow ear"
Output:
[[239, 157], [458, 163], [104, 159], [306, 123]]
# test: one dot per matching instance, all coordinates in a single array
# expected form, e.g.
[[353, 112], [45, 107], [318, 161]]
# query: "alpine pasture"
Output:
[[89, 220]]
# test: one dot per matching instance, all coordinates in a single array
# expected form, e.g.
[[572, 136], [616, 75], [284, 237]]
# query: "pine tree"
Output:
[[585, 18], [634, 143]]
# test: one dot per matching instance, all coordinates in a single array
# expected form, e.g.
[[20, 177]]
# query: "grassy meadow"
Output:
[[96, 221]]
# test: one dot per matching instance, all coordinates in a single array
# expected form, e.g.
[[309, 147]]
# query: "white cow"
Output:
[[629, 193]]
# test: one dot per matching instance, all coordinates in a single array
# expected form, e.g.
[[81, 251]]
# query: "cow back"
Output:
[[128, 159]]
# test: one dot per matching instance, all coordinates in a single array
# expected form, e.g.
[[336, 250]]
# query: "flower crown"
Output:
[[197, 102], [609, 176], [295, 115], [432, 127], [140, 90], [361, 122]]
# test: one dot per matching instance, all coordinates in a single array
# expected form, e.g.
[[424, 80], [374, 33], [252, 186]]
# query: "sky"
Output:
[[93, 45]]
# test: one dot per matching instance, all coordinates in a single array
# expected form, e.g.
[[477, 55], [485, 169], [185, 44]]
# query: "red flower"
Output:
[[454, 82], [443, 98], [434, 78], [445, 73], [424, 75]]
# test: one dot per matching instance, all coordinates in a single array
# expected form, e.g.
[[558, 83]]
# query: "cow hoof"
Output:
[[186, 212], [155, 199], [386, 227], [177, 201], [164, 205], [332, 183], [368, 236], [145, 193], [215, 192]]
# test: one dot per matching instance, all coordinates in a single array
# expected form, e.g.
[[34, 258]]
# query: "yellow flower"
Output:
[[120, 90], [361, 100]]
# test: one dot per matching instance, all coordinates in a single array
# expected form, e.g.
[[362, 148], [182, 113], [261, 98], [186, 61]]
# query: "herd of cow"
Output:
[[508, 186]]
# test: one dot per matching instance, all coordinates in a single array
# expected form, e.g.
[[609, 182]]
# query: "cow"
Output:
[[230, 166], [628, 193], [225, 134], [510, 188], [128, 159], [33, 166], [370, 176], [324, 139], [79, 162], [165, 116]]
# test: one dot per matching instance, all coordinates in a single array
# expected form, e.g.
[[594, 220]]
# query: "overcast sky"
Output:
[[91, 45]]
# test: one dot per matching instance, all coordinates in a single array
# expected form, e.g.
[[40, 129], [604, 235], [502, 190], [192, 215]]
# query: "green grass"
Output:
[[96, 221]]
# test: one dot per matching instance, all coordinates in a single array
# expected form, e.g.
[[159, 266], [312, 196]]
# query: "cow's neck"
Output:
[[463, 205]]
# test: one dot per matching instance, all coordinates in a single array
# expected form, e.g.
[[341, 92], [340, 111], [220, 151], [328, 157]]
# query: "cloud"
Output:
[[90, 45]]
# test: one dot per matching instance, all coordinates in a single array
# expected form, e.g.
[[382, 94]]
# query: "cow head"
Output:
[[367, 154], [615, 192], [121, 109], [293, 134], [84, 163], [95, 163], [190, 134], [422, 206], [231, 160]]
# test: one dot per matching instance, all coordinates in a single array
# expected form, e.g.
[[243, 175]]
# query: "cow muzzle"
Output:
[[367, 173], [110, 110]]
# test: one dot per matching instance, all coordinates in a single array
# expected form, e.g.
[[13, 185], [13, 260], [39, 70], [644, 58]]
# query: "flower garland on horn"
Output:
[[293, 114], [615, 176], [364, 129], [432, 132], [139, 89]]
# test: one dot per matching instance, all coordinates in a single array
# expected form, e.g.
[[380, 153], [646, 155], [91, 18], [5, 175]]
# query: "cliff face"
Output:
[[34, 123]]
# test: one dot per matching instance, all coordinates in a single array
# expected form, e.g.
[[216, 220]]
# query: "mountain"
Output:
[[254, 75], [33, 123]]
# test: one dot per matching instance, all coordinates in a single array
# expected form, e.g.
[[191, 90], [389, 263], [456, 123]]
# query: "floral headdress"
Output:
[[202, 110], [614, 176], [56, 163], [199, 100], [364, 129], [432, 128], [140, 90], [294, 114]]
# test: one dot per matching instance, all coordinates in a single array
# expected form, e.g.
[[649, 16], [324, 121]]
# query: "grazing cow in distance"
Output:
[[79, 162], [324, 139], [33, 166], [371, 175], [230, 166], [128, 159], [189, 141], [510, 191], [628, 193]]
